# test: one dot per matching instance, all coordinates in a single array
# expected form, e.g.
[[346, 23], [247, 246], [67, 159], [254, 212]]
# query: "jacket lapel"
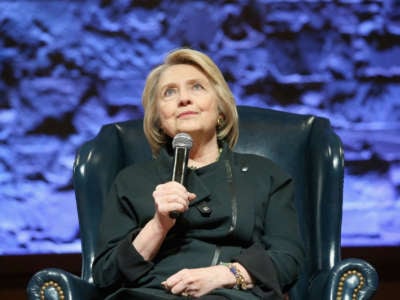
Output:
[[196, 186], [245, 206]]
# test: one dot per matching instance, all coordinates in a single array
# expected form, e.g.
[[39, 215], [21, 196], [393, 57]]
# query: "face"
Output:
[[187, 102]]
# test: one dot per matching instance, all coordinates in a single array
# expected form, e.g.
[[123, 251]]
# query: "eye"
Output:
[[197, 86], [169, 92]]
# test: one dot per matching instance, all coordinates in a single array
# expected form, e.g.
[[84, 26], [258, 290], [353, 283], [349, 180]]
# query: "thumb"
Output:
[[191, 196]]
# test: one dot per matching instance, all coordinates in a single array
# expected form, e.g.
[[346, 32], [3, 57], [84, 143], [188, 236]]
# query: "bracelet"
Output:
[[240, 281]]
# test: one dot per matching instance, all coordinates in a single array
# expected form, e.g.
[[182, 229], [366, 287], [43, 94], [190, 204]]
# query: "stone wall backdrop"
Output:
[[68, 67]]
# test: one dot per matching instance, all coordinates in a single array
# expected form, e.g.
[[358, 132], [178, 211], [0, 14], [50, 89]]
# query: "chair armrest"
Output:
[[350, 278], [57, 284]]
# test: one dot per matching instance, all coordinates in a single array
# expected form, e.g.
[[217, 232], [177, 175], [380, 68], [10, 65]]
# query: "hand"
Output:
[[170, 196], [200, 281]]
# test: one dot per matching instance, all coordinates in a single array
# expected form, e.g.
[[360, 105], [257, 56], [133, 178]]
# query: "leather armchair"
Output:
[[304, 145]]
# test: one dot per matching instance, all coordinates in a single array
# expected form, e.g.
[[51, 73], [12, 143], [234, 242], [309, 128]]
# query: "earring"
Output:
[[220, 122]]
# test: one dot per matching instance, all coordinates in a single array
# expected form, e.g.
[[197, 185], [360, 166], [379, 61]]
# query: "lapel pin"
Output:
[[204, 209]]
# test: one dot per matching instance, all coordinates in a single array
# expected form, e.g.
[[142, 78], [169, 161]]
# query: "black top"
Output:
[[244, 211]]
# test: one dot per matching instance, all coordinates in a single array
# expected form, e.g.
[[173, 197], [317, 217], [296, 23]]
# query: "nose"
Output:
[[184, 97]]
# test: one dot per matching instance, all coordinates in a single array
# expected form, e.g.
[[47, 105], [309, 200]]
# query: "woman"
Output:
[[237, 236]]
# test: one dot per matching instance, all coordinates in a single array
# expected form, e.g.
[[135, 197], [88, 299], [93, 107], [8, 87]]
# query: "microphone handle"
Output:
[[181, 157], [174, 214]]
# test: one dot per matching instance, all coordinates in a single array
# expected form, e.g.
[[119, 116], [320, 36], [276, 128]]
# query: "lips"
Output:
[[186, 114]]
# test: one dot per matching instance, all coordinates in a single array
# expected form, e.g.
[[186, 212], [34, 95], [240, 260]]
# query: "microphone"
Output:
[[182, 143]]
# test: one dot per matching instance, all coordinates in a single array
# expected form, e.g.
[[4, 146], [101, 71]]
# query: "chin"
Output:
[[187, 129]]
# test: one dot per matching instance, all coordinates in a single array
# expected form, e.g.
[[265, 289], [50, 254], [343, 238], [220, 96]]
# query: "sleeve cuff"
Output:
[[261, 268], [130, 263]]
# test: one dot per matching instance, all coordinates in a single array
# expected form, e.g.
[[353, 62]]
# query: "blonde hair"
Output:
[[228, 130]]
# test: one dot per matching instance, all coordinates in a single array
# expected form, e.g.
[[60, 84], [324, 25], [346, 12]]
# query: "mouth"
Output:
[[186, 114]]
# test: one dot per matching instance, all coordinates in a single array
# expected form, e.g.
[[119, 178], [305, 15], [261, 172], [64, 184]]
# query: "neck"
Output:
[[204, 154]]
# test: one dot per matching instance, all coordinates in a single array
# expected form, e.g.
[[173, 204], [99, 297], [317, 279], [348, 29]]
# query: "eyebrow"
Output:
[[189, 81]]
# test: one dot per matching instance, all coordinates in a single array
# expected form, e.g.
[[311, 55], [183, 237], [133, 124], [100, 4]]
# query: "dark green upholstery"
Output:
[[304, 145]]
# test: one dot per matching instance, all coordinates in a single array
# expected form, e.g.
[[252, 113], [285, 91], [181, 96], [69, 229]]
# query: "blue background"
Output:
[[68, 67]]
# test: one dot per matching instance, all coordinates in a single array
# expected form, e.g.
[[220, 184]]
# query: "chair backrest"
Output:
[[306, 146]]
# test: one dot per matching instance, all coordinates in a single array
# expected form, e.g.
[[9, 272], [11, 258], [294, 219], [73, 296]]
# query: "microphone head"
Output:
[[183, 140]]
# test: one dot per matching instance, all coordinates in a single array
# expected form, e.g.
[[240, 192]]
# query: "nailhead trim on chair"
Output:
[[54, 285], [343, 279]]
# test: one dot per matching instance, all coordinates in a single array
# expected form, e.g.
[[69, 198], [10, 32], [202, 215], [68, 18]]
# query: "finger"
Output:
[[171, 185], [191, 196], [176, 278], [171, 197], [192, 293], [165, 285], [177, 199], [165, 208], [169, 188], [172, 194], [179, 287]]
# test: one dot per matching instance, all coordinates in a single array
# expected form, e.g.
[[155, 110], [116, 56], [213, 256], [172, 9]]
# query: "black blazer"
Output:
[[244, 211]]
